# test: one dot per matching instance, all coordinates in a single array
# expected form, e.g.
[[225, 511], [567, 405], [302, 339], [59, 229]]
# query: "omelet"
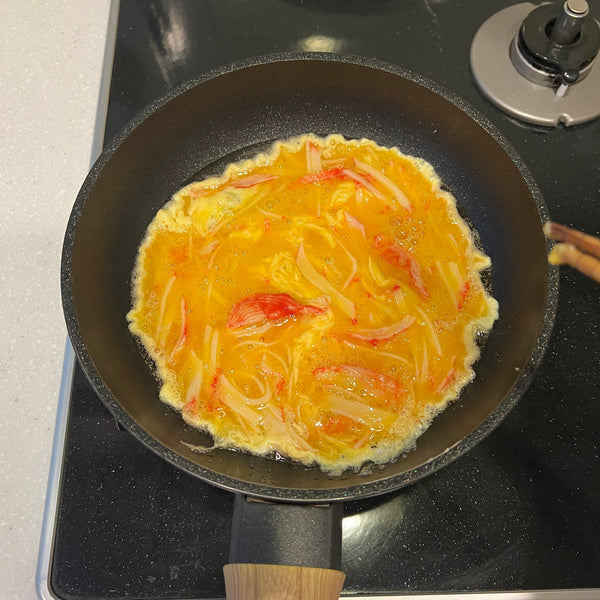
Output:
[[320, 302]]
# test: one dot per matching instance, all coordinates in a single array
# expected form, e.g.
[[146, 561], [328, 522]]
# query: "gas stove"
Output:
[[517, 517]]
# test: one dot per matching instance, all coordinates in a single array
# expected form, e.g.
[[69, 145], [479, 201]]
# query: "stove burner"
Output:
[[556, 48], [535, 63]]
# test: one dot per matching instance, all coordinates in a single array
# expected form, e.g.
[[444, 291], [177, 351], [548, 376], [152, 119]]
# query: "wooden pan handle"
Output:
[[278, 582]]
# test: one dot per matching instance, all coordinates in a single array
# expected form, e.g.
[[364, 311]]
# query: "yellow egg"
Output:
[[320, 301]]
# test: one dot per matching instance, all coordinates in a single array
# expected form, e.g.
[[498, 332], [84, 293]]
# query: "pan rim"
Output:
[[336, 492]]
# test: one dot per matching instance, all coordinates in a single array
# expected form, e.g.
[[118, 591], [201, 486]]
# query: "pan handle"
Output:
[[284, 550], [261, 582]]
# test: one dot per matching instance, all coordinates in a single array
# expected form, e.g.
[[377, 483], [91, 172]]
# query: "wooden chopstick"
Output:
[[576, 249]]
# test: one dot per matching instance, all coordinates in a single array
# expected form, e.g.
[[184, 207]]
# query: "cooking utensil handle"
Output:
[[284, 551], [280, 533], [264, 582]]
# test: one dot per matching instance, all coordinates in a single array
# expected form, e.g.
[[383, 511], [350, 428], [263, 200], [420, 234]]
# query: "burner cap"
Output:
[[568, 58], [520, 66]]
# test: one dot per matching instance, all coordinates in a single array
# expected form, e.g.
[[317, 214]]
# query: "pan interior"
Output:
[[234, 114]]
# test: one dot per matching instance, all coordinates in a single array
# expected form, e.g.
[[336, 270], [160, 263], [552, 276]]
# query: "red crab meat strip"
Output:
[[355, 224], [183, 331], [380, 334], [386, 182], [267, 307], [313, 157], [333, 173], [448, 378], [252, 180], [463, 294], [376, 382], [395, 254]]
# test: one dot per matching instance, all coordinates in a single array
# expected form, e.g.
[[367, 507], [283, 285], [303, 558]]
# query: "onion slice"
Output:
[[231, 397], [323, 285], [336, 402]]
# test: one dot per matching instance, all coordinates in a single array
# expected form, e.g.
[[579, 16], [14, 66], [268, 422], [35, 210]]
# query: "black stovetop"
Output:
[[520, 511]]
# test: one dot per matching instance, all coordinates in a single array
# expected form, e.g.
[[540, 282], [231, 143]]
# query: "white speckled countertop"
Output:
[[50, 63]]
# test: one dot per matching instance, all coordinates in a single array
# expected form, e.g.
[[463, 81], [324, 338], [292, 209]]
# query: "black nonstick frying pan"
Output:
[[234, 112]]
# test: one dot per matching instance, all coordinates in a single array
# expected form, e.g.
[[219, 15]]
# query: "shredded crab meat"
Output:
[[385, 182], [313, 157], [365, 183], [371, 379], [447, 380], [451, 287], [193, 391], [252, 180], [380, 353], [353, 263], [383, 333], [267, 307], [160, 330], [355, 224], [182, 332], [396, 255], [432, 334]]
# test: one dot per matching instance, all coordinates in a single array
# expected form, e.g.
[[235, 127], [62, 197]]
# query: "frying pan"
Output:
[[236, 111]]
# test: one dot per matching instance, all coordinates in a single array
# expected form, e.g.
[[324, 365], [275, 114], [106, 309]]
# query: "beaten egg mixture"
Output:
[[321, 302]]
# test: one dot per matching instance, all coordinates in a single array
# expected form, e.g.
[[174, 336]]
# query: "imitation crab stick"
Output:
[[365, 183], [385, 182], [376, 381], [396, 255], [252, 180], [267, 307], [313, 157], [333, 173], [355, 224], [182, 331], [380, 334]]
